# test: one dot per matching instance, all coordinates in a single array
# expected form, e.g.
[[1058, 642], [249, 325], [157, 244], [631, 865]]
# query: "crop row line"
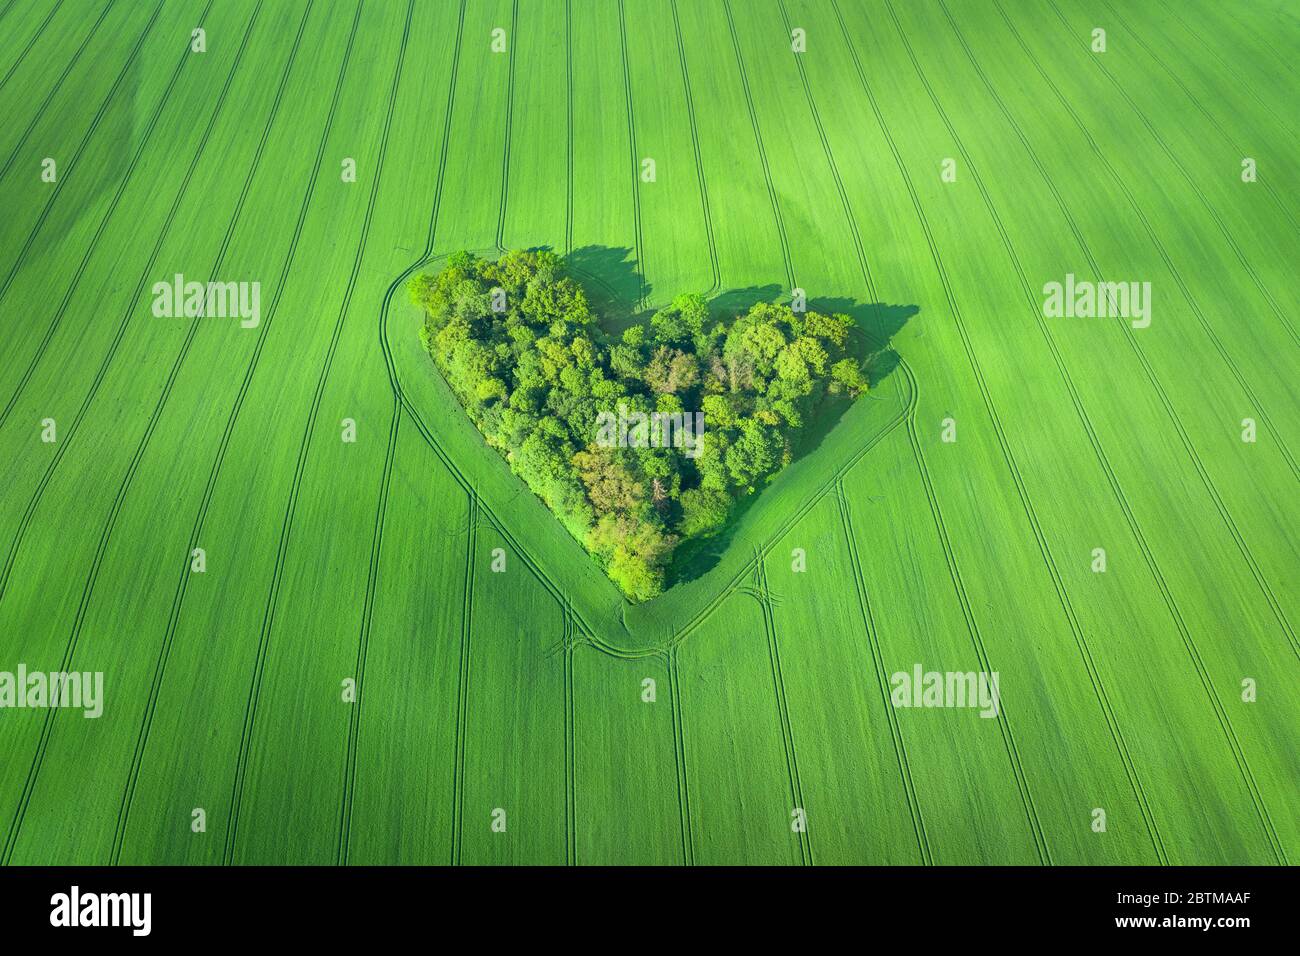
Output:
[[394, 379], [787, 259], [594, 639], [1188, 640], [530, 562], [92, 247], [69, 168], [909, 410], [1121, 498], [165, 649], [799, 513], [849, 219], [1013, 754], [570, 823], [1286, 62], [170, 217], [399, 404], [758, 564], [699, 158], [882, 680], [568, 101], [281, 285], [1077, 631], [1145, 363], [456, 472], [1076, 628], [570, 710], [679, 757], [909, 415], [363, 649], [782, 705], [1277, 200], [1004, 444], [1195, 307], [68, 436], [309, 429], [47, 726], [1196, 191], [631, 140], [137, 457], [1251, 92], [1267, 182], [462, 684], [509, 124], [40, 30], [39, 114], [777, 218], [155, 417], [570, 743], [9, 6], [1230, 523], [189, 339]]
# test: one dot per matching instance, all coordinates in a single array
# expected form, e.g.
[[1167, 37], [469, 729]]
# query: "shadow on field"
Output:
[[613, 285], [876, 325], [99, 169], [615, 290]]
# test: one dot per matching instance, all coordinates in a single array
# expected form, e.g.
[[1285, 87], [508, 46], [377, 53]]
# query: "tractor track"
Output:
[[13, 67], [699, 158], [1277, 311], [1281, 122], [125, 485], [882, 680], [63, 76], [1231, 525], [963, 596], [309, 429], [394, 421], [93, 247], [69, 167], [764, 598]]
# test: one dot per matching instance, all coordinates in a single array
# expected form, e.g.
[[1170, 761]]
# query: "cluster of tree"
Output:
[[519, 345]]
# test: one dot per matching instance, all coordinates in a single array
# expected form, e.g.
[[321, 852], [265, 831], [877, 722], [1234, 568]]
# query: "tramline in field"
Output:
[[982, 550]]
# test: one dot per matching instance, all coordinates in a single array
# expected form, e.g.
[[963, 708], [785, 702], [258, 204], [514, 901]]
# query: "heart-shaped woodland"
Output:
[[639, 442]]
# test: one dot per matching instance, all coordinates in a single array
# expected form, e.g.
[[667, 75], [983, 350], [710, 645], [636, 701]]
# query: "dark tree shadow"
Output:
[[614, 286], [876, 325], [615, 290], [736, 302]]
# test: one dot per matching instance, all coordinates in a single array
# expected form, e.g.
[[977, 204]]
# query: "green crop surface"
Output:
[[1013, 577]]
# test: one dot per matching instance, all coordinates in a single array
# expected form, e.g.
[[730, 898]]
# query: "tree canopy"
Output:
[[635, 442]]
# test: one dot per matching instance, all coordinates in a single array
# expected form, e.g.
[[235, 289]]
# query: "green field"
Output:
[[349, 679]]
